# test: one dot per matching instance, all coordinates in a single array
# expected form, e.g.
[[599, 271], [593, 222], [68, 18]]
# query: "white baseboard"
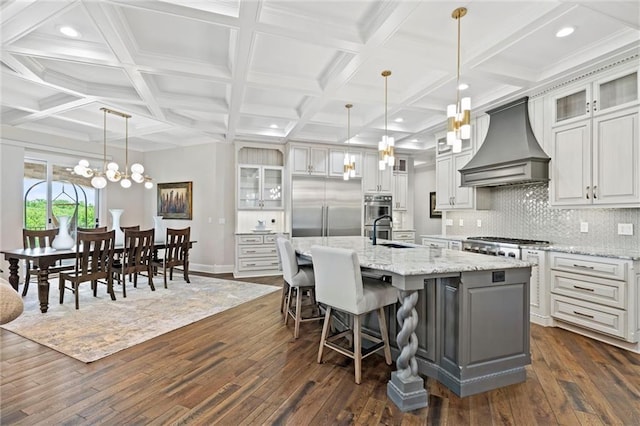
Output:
[[211, 269]]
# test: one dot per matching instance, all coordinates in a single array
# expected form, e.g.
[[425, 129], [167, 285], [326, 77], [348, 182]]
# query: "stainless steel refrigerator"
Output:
[[326, 207]]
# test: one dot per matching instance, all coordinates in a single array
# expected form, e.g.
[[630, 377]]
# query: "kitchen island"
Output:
[[463, 318]]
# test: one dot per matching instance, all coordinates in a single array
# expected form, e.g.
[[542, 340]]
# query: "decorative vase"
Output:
[[115, 222], [159, 229], [63, 240]]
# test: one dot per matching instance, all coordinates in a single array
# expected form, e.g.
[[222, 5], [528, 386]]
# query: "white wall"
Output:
[[424, 183]]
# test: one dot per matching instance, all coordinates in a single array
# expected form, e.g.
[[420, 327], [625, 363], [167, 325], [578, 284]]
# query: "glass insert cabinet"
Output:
[[259, 187]]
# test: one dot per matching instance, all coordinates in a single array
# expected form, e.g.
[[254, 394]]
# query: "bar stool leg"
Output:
[[357, 348], [325, 332]]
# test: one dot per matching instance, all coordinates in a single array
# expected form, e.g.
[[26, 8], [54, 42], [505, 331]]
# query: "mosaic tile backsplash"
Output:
[[523, 211]]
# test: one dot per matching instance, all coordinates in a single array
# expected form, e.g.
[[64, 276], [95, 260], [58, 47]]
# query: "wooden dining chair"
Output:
[[130, 228], [93, 262], [33, 239], [98, 229], [136, 257], [176, 253]]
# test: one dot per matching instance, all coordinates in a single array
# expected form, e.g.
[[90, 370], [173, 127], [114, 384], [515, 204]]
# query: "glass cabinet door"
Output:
[[620, 91], [249, 187], [573, 105], [272, 188]]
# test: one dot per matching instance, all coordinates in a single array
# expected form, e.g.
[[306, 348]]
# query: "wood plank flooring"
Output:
[[243, 367]]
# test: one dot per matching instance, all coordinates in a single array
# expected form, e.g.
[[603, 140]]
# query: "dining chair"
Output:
[[98, 229], [93, 262], [341, 286], [136, 257], [33, 239], [300, 279], [130, 228], [176, 253]]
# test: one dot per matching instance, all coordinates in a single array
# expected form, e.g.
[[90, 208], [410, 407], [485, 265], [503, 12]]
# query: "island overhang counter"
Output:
[[462, 318]]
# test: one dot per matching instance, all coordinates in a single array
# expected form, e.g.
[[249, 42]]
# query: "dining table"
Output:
[[45, 259]]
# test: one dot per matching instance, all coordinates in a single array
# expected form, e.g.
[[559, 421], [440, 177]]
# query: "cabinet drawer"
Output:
[[590, 265], [250, 239], [435, 243], [266, 263], [598, 290], [584, 314], [257, 251], [404, 235]]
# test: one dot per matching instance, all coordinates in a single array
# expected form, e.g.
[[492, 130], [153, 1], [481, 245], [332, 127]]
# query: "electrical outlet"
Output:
[[461, 222], [221, 221], [449, 222], [584, 226], [625, 229], [479, 223]]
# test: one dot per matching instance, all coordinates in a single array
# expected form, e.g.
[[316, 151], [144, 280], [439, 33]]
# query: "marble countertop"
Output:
[[591, 251], [445, 237], [416, 260]]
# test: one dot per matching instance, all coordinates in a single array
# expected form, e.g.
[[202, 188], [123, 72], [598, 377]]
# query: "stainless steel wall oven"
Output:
[[376, 205]]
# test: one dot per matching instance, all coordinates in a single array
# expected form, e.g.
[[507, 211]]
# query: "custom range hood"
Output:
[[510, 153]]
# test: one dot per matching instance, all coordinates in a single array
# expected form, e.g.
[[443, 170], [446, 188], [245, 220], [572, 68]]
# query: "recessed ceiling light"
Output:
[[274, 126], [565, 32], [414, 140], [399, 120], [463, 86], [69, 31]]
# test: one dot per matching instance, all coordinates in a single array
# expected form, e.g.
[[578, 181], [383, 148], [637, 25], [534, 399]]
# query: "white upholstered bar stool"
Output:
[[300, 279], [341, 286]]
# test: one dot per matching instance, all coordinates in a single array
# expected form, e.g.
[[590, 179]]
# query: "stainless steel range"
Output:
[[499, 246]]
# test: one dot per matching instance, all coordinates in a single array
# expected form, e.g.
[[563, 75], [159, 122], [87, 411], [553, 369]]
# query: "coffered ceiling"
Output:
[[193, 72]]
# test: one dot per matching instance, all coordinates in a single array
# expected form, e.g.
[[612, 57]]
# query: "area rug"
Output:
[[102, 327]]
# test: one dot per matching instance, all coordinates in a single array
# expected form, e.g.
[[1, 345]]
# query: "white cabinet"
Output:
[[435, 242], [538, 290], [336, 162], [400, 189], [597, 161], [404, 236], [455, 245], [256, 255], [309, 160], [401, 165], [449, 194], [373, 179], [594, 293], [259, 187]]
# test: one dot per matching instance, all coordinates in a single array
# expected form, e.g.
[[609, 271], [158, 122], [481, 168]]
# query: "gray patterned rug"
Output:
[[102, 327]]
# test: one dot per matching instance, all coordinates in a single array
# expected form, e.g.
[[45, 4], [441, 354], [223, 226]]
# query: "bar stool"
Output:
[[299, 280], [340, 286]]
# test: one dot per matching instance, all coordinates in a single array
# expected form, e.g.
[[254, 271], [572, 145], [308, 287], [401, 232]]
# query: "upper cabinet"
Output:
[[373, 179], [259, 187], [336, 162], [595, 158], [309, 160]]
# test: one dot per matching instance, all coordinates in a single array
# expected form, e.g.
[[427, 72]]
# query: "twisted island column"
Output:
[[406, 387]]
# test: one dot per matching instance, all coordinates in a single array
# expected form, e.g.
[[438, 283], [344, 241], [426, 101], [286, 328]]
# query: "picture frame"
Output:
[[433, 213], [175, 200]]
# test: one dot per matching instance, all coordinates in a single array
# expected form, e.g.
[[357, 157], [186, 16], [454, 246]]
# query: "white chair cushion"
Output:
[[304, 277], [376, 294]]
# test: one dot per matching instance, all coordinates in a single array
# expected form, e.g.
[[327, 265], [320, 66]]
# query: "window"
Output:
[[52, 190]]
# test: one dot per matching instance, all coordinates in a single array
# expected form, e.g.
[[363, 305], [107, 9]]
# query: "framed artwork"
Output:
[[433, 213], [175, 200]]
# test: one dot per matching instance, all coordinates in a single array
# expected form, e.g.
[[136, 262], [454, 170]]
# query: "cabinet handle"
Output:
[[583, 315], [587, 193], [595, 106], [595, 194], [587, 107], [577, 287], [583, 266], [250, 264]]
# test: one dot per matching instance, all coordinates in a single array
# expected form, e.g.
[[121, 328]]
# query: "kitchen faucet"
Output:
[[374, 237]]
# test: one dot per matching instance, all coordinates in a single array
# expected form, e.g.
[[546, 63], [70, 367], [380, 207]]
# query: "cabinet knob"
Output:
[[587, 107], [587, 193], [595, 105], [595, 194]]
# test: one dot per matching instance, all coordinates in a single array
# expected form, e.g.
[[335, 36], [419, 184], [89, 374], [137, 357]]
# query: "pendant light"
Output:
[[386, 145], [111, 171], [349, 159], [458, 114]]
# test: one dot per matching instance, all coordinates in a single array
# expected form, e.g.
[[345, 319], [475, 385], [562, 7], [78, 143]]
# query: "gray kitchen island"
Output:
[[462, 318]]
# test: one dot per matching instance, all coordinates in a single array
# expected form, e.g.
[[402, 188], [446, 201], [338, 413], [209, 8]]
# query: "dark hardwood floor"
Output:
[[243, 367]]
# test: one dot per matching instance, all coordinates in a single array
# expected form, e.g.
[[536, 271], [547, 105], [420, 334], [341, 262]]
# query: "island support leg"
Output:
[[406, 388]]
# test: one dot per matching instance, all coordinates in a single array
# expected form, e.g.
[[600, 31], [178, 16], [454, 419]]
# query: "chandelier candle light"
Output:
[[111, 170], [385, 146], [458, 114], [349, 159]]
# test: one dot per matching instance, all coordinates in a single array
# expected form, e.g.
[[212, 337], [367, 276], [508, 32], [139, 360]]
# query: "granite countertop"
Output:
[[268, 231], [445, 237], [590, 251], [416, 260]]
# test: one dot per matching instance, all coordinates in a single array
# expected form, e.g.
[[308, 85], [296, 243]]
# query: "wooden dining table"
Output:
[[44, 259]]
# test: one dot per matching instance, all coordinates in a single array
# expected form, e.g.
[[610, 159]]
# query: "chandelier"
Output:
[[349, 159], [111, 171], [458, 114], [385, 146]]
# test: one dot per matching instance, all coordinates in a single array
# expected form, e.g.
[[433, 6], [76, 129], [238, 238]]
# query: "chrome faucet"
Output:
[[374, 237]]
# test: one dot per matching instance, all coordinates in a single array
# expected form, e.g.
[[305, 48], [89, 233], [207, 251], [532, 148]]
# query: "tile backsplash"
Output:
[[523, 211]]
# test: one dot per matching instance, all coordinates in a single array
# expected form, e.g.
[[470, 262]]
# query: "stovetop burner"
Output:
[[505, 240]]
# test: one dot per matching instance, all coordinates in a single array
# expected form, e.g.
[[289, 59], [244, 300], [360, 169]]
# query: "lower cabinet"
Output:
[[539, 290], [594, 293], [256, 255], [404, 236]]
